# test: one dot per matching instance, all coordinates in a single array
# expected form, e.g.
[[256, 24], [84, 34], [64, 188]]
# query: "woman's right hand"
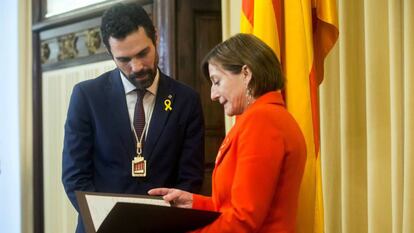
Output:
[[176, 197]]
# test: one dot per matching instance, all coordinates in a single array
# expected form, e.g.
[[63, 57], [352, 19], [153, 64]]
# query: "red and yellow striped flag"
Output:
[[301, 32]]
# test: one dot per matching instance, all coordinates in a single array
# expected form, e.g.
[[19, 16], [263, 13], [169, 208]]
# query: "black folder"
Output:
[[129, 217]]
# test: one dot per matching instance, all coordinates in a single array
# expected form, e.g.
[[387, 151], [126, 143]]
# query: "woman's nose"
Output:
[[214, 94]]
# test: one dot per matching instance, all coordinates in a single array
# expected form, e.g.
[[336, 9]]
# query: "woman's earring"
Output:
[[248, 96]]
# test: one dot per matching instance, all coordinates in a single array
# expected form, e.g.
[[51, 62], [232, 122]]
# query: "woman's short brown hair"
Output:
[[246, 49]]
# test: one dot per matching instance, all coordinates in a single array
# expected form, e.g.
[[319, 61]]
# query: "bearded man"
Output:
[[133, 128]]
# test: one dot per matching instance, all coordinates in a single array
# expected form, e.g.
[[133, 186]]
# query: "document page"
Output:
[[100, 206]]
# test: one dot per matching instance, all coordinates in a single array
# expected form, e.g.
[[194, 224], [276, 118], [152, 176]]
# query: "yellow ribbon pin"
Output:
[[167, 104]]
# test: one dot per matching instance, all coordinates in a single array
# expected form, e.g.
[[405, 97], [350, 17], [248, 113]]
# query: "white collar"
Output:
[[128, 86]]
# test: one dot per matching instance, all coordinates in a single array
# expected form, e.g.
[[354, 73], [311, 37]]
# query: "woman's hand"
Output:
[[176, 197]]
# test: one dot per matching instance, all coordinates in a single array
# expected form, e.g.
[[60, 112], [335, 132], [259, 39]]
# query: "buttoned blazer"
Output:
[[258, 172], [99, 144]]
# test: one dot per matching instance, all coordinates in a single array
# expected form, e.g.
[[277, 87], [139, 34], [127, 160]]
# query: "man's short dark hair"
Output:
[[123, 19]]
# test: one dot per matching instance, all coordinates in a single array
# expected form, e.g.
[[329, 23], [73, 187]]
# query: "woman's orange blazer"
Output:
[[258, 171]]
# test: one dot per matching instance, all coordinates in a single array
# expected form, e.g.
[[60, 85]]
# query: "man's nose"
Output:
[[136, 65]]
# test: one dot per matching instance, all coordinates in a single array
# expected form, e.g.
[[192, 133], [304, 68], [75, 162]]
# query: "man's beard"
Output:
[[149, 74], [142, 84]]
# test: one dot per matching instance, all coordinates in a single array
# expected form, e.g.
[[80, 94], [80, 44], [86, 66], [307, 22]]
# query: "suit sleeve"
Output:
[[77, 161], [260, 154], [191, 164]]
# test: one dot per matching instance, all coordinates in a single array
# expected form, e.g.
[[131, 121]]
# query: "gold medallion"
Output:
[[139, 167]]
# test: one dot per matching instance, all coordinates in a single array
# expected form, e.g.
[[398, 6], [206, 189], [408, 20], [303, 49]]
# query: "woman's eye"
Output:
[[215, 81]]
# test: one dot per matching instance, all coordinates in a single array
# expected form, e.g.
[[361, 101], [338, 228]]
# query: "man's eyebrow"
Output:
[[140, 53]]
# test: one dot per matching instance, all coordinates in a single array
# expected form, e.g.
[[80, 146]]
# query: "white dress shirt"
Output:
[[148, 101]]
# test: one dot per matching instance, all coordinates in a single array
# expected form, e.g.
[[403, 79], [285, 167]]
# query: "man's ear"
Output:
[[108, 50]]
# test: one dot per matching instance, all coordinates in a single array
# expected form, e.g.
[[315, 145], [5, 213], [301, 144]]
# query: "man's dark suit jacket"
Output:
[[99, 144]]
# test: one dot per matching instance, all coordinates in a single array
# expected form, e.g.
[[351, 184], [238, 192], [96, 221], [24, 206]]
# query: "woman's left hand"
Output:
[[176, 197]]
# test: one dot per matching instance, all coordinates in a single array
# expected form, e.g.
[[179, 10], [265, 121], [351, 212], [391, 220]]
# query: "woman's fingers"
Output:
[[158, 191], [175, 197], [166, 193]]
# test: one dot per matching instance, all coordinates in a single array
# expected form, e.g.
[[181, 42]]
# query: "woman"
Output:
[[260, 164]]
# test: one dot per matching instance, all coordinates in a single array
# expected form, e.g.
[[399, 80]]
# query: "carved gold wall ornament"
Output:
[[93, 40], [44, 52], [67, 47]]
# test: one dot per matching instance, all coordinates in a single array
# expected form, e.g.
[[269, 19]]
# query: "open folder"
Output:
[[123, 213]]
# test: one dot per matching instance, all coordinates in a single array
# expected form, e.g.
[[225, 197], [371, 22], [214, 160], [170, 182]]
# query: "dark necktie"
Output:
[[139, 115]]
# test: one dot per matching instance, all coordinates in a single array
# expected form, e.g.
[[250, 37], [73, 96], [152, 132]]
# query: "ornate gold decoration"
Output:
[[67, 47], [93, 40], [44, 52]]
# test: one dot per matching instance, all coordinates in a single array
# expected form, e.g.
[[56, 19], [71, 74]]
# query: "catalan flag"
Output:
[[301, 32]]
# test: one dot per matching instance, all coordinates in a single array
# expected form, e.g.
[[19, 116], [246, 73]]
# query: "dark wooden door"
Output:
[[198, 29]]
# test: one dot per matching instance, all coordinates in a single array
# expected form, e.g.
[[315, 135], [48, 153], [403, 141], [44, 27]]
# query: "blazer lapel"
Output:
[[117, 107], [225, 146], [159, 115]]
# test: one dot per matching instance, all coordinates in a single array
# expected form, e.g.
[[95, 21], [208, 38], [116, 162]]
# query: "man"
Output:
[[133, 128]]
